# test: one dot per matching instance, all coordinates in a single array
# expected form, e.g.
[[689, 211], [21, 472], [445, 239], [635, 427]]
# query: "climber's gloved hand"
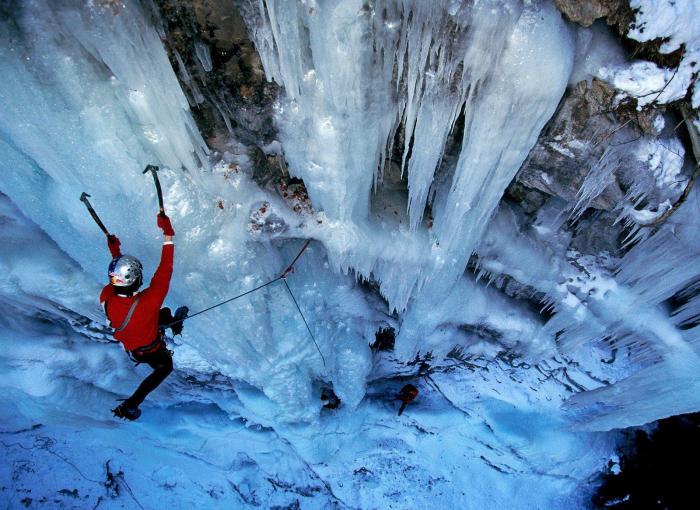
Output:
[[179, 320], [114, 245], [165, 225]]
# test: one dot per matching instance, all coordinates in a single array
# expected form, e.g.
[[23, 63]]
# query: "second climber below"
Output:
[[137, 318]]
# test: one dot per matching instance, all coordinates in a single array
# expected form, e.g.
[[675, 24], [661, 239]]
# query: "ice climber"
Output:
[[137, 317]]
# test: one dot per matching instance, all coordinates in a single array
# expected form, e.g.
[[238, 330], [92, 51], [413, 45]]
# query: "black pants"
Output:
[[162, 364]]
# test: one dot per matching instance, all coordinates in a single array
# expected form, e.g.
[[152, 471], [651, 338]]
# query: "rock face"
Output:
[[219, 69], [602, 153], [614, 167], [598, 232], [584, 12], [619, 15], [573, 143]]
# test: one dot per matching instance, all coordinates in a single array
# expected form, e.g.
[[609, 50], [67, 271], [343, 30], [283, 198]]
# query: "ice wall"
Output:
[[600, 301], [354, 72], [662, 266], [88, 99], [501, 127]]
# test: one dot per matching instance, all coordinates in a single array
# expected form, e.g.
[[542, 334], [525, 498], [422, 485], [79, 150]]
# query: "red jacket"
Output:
[[143, 326]]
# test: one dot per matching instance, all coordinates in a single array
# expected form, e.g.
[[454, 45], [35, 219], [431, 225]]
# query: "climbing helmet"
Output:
[[125, 271]]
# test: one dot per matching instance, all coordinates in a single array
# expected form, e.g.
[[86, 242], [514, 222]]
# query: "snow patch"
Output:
[[675, 22]]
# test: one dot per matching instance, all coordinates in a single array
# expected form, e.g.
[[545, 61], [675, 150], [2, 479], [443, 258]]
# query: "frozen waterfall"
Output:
[[406, 122], [87, 112], [354, 73], [89, 99]]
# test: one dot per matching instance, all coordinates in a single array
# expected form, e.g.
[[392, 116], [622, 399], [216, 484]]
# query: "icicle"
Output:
[[503, 121], [597, 179], [436, 96], [353, 71], [667, 262], [203, 55], [661, 390]]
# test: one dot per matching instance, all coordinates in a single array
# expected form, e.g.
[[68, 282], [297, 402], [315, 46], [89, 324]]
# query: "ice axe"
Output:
[[84, 199], [154, 170]]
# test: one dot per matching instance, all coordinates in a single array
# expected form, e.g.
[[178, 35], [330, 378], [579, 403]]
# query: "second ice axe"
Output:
[[84, 199], [154, 170]]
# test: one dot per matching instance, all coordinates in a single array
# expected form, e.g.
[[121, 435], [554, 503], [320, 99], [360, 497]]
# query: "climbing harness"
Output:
[[149, 348]]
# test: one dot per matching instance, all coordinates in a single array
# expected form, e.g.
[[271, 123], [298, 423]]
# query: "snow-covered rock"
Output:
[[673, 23]]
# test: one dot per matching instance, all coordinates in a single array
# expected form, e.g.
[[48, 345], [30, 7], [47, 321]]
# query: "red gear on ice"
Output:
[[142, 328], [408, 393], [165, 225], [114, 245]]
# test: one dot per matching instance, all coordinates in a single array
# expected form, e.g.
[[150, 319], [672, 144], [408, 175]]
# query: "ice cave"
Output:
[[437, 254]]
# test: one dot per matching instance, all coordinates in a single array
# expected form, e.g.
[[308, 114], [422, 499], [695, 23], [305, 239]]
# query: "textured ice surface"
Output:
[[59, 142], [89, 98], [596, 48], [478, 432], [353, 72]]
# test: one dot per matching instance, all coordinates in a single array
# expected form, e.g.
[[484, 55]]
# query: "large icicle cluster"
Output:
[[354, 72], [662, 266]]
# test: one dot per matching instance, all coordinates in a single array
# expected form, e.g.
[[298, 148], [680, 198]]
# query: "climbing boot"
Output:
[[126, 413]]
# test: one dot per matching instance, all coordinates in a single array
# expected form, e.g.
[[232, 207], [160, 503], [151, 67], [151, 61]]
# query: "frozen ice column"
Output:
[[502, 124]]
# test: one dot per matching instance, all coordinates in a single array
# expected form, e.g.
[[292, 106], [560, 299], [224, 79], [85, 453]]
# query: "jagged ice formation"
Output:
[[349, 89], [407, 121]]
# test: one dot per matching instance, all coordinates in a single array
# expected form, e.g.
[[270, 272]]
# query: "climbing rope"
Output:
[[283, 277], [304, 319], [227, 301], [290, 268]]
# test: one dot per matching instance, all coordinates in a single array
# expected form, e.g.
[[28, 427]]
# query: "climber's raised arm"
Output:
[[114, 245], [160, 283]]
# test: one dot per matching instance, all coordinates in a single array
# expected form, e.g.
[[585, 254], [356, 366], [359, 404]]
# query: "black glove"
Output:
[[180, 315]]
